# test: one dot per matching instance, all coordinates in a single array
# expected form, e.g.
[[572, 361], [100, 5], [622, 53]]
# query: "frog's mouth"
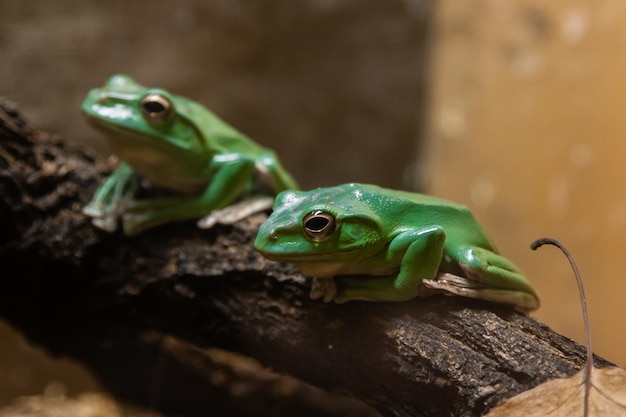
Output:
[[112, 129], [122, 137], [332, 264], [299, 257]]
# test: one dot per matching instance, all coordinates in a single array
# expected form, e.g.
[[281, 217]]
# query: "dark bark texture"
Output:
[[189, 322]]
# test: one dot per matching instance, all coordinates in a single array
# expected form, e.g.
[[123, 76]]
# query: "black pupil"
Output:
[[317, 224], [154, 106]]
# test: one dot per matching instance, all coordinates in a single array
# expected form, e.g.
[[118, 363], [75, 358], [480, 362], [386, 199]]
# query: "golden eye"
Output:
[[318, 224], [156, 108]]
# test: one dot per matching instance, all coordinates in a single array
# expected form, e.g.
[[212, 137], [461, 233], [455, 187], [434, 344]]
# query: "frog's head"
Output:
[[321, 230], [134, 116]]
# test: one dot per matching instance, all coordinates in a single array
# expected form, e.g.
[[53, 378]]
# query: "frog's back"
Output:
[[218, 134], [409, 210]]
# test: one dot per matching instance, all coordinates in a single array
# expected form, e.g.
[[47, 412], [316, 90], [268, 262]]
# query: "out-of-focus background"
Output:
[[512, 108]]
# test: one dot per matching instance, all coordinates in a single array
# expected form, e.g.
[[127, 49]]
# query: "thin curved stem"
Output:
[[583, 301]]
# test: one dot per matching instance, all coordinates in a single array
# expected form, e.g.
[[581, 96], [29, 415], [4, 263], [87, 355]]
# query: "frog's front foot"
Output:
[[113, 198], [95, 209], [107, 223], [324, 288]]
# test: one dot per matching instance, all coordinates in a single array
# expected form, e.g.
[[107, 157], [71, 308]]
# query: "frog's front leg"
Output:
[[490, 277], [272, 172], [418, 254], [111, 199], [231, 176]]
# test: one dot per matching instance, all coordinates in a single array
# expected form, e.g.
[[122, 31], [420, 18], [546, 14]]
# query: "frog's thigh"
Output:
[[419, 252], [491, 269]]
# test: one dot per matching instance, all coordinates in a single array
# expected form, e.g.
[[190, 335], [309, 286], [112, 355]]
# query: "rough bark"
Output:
[[163, 318]]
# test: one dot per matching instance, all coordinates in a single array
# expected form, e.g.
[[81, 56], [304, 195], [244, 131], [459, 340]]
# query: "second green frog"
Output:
[[364, 242], [176, 144]]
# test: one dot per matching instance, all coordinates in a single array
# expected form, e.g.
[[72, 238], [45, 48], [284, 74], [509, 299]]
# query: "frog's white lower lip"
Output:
[[336, 255], [114, 131], [111, 127]]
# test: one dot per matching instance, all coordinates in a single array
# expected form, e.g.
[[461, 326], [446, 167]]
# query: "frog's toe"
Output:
[[95, 209], [101, 217], [473, 259], [324, 288], [106, 223], [485, 266]]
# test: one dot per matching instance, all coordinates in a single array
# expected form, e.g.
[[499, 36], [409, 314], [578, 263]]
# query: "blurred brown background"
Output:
[[512, 108]]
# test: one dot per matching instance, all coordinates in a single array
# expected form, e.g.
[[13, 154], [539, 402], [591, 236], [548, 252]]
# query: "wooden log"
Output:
[[163, 318]]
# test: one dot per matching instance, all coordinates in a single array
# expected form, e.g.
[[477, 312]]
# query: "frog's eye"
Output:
[[156, 108], [318, 224]]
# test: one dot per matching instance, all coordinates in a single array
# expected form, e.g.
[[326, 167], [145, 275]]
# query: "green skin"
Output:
[[388, 245], [176, 144]]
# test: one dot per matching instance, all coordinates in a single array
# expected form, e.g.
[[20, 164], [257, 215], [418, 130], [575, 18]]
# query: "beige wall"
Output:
[[526, 126], [333, 87]]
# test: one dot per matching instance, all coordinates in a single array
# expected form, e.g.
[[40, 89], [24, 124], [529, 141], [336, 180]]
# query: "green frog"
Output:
[[364, 242], [175, 144]]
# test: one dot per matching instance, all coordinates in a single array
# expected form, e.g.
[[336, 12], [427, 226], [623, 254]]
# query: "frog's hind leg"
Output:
[[490, 277]]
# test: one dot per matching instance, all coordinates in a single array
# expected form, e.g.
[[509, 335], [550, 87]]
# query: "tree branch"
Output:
[[153, 316]]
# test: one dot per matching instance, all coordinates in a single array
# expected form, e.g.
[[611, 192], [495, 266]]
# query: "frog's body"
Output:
[[388, 245], [176, 144]]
